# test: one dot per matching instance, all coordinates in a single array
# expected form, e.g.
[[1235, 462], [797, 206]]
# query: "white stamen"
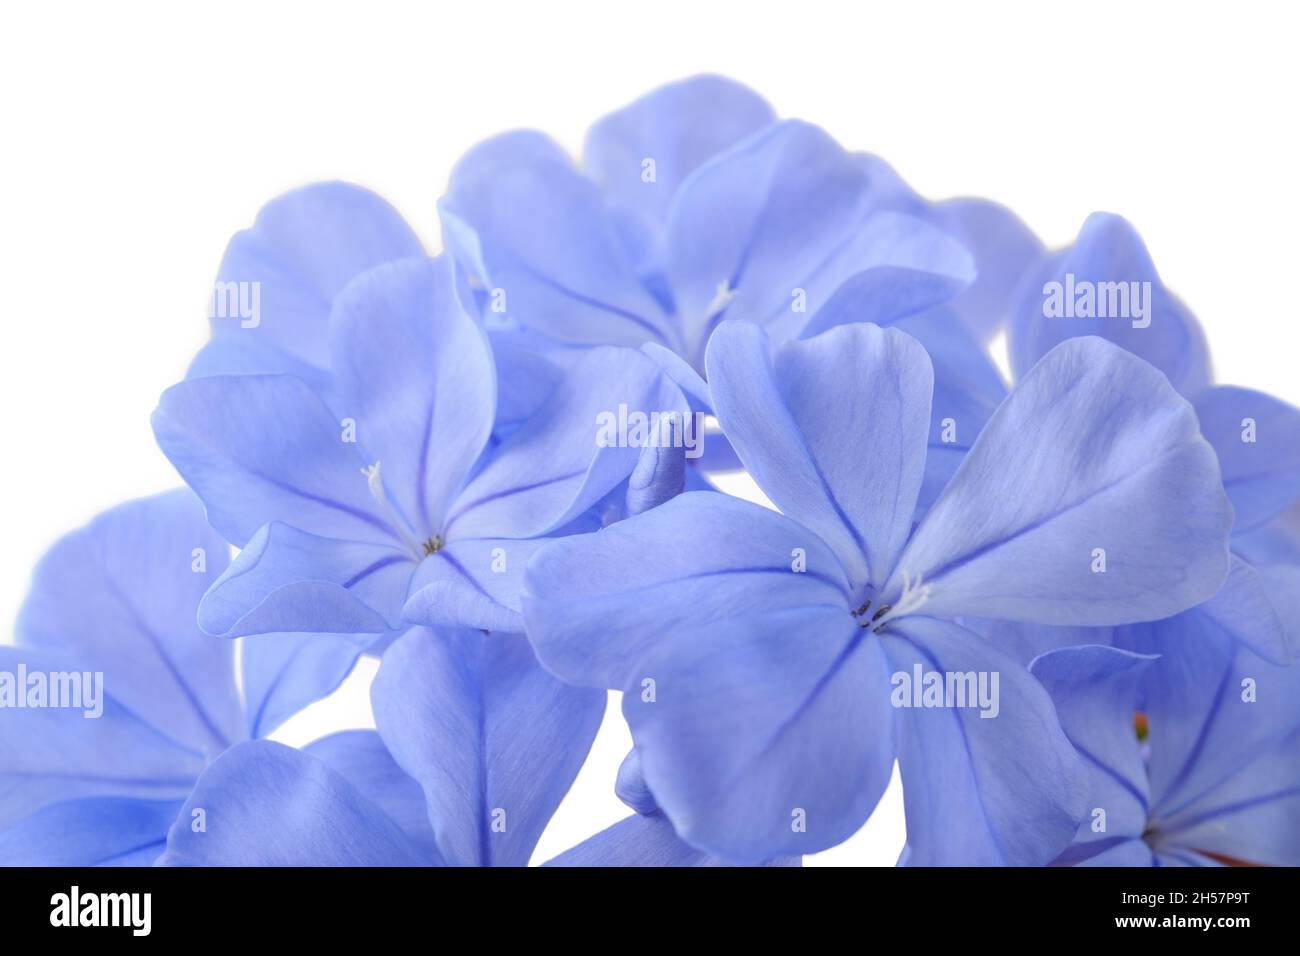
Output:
[[915, 594], [376, 483], [721, 299]]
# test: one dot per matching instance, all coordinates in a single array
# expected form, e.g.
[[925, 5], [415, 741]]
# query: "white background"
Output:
[[136, 138]]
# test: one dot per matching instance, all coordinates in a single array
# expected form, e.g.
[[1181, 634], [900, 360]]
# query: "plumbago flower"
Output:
[[475, 749], [111, 611], [1212, 775], [400, 510], [1106, 285], [755, 648], [277, 281], [695, 205]]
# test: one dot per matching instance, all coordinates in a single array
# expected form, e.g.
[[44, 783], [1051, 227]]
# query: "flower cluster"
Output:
[[1065, 608]]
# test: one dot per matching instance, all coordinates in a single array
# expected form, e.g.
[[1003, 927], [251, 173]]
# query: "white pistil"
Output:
[[376, 483], [915, 594]]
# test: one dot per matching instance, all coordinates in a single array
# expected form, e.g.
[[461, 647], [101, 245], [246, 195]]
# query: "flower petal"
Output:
[[289, 580], [554, 467], [361, 758], [1105, 259], [630, 785], [1257, 439], [304, 247], [521, 218], [765, 735], [1245, 608], [1212, 705], [283, 673], [119, 596], [644, 841], [1095, 690], [595, 604], [977, 791], [967, 385], [967, 391], [1004, 248], [679, 126], [263, 448], [1093, 458], [476, 583], [270, 805], [786, 211], [414, 370], [97, 831], [833, 429], [882, 296], [1252, 817], [115, 754], [493, 739]]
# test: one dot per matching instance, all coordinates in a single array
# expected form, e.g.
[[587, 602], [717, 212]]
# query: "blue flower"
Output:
[[476, 747], [1106, 285], [1213, 774], [694, 206], [276, 284], [755, 648], [112, 605], [377, 498]]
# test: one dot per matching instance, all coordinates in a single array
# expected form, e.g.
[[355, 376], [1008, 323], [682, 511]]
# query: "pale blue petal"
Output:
[[882, 296], [630, 785], [967, 391], [474, 583], [683, 375], [97, 831], [1093, 450], [265, 448], [283, 673], [289, 580], [115, 754], [1203, 725], [1095, 690], [362, 759], [269, 805], [1252, 818], [1113, 851], [967, 385], [1024, 642], [596, 604], [1277, 542], [246, 354], [1005, 250], [679, 126], [413, 369], [304, 247], [1109, 250], [833, 429], [526, 374], [981, 791], [521, 218], [493, 739], [1257, 439], [553, 467], [1281, 588], [783, 212], [644, 841], [1248, 609], [765, 735], [119, 596]]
